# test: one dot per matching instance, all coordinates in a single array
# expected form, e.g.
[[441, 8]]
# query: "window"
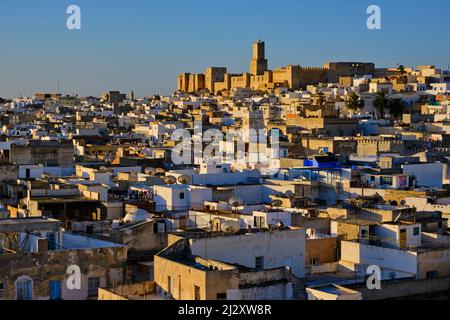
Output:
[[416, 231], [260, 222], [93, 285], [432, 275], [386, 181], [2, 286], [182, 196], [259, 263], [24, 289], [314, 262], [221, 296], [169, 285], [55, 290], [196, 293], [51, 237]]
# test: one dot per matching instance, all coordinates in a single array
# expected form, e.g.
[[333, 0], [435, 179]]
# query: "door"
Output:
[[55, 290], [24, 290], [403, 239]]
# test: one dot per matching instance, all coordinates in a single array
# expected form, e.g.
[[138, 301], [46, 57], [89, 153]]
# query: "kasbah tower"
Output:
[[260, 78]]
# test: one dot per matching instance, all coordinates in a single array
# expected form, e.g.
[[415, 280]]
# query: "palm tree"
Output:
[[381, 103], [355, 103], [396, 108]]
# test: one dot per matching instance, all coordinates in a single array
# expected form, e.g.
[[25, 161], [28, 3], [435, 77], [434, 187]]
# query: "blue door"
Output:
[[24, 290], [55, 290]]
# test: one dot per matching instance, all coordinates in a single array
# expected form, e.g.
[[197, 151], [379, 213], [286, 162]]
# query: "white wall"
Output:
[[279, 249], [385, 258], [273, 218], [36, 172], [169, 197]]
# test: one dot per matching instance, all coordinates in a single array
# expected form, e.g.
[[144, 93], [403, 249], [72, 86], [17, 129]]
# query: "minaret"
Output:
[[258, 64]]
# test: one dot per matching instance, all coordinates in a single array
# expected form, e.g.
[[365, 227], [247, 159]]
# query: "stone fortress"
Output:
[[294, 77]]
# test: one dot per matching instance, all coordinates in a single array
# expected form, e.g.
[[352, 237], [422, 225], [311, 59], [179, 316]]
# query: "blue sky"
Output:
[[142, 45]]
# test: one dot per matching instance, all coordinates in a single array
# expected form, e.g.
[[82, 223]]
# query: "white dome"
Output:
[[136, 216]]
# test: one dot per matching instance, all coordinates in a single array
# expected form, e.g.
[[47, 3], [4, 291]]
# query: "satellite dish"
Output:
[[277, 203], [170, 180], [149, 171], [230, 227], [236, 202], [184, 179], [159, 171]]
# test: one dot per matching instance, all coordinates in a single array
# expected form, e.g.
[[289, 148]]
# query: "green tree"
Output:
[[355, 103], [381, 103]]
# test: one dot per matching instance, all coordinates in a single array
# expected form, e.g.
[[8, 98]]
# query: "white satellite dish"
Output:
[[230, 227]]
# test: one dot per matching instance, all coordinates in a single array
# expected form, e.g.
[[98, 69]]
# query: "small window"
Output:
[[259, 263], [364, 234], [432, 275], [93, 285], [169, 285], [2, 286], [197, 293], [182, 196], [416, 231], [314, 262], [221, 296]]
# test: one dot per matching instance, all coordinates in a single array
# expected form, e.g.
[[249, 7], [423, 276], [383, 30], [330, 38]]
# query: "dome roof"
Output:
[[136, 216]]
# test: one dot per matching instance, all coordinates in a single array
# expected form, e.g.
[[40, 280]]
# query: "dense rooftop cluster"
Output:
[[358, 176]]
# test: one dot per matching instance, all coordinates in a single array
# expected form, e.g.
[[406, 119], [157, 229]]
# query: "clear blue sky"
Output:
[[144, 44]]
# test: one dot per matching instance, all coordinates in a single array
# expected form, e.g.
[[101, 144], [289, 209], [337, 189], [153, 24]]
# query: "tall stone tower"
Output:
[[258, 64]]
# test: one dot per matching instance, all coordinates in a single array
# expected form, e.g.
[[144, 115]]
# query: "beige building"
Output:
[[182, 276], [294, 77]]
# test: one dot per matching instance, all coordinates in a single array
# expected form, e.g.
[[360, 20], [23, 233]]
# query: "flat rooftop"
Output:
[[359, 222], [29, 224], [334, 289], [62, 199]]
